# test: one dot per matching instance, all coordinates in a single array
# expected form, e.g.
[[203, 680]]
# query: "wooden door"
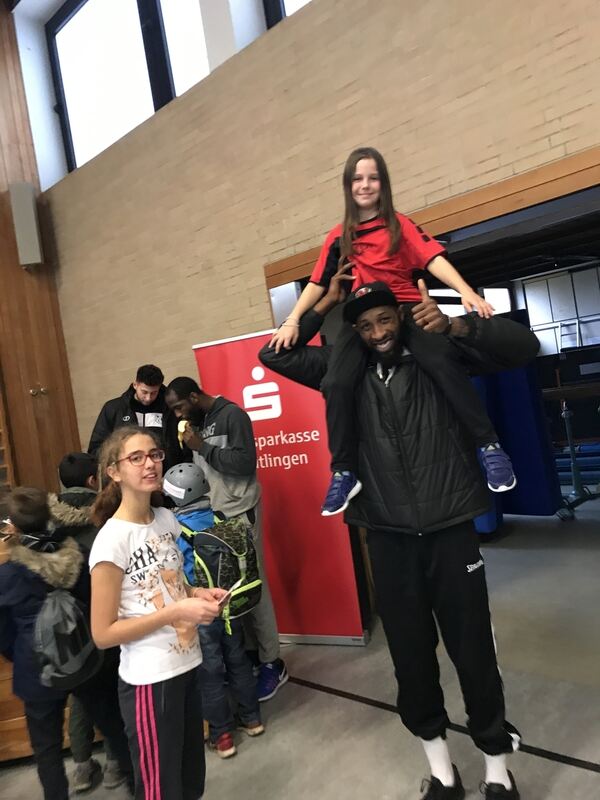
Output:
[[39, 408], [7, 478]]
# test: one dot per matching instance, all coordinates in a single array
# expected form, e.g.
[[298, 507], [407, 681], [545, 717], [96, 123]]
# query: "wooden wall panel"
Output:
[[42, 426], [7, 477], [39, 428]]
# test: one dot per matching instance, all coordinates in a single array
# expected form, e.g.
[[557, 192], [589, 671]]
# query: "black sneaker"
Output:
[[496, 791], [437, 791]]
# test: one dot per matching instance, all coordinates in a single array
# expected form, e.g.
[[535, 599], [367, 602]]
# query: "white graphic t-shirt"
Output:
[[153, 577]]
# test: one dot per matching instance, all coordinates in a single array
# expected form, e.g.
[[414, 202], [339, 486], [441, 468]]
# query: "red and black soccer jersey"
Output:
[[371, 260]]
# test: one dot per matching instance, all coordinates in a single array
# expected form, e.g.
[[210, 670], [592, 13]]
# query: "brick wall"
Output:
[[161, 240]]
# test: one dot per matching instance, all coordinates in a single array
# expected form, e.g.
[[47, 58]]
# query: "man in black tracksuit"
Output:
[[422, 488], [143, 404]]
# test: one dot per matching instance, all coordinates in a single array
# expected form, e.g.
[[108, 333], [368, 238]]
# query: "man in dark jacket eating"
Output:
[[422, 488]]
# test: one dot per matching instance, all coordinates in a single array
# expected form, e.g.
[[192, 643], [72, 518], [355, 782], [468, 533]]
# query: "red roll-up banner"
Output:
[[308, 557]]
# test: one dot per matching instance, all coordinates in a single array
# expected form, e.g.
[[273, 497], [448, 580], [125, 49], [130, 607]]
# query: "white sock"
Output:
[[438, 756], [495, 770]]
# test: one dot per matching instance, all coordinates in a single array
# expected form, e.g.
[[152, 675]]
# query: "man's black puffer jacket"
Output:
[[417, 464], [418, 468]]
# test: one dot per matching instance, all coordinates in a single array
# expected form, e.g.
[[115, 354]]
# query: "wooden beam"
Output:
[[565, 176], [291, 269]]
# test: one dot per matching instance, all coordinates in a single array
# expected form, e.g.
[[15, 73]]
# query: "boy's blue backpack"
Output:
[[224, 554]]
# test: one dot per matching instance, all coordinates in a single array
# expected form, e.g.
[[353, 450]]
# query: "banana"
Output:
[[181, 429]]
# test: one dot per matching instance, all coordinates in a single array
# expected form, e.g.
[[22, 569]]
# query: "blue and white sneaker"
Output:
[[271, 678], [498, 468], [343, 487]]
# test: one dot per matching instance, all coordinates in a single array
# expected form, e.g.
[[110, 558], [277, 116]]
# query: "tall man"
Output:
[[422, 487], [221, 439]]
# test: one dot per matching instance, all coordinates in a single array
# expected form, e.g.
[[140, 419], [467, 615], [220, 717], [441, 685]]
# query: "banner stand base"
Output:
[[351, 641]]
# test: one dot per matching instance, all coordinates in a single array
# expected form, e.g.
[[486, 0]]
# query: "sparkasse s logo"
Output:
[[261, 400]]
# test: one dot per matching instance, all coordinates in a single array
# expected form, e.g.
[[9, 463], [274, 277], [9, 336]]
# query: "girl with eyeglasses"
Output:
[[140, 601]]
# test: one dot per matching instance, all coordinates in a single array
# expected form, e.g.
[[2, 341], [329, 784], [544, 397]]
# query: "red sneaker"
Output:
[[224, 746]]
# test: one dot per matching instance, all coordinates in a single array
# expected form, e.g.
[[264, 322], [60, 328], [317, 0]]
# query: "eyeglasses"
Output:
[[138, 458]]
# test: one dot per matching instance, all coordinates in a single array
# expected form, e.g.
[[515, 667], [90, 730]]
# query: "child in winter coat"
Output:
[[38, 558], [71, 510]]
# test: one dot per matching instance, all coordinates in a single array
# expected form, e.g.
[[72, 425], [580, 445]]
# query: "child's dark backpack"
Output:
[[62, 642], [223, 555]]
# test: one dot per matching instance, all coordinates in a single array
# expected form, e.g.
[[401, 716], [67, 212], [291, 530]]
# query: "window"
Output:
[[185, 40], [499, 298], [112, 66], [276, 10], [104, 75], [291, 6], [564, 309], [448, 301]]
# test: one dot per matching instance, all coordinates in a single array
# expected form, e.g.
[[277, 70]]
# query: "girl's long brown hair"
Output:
[[386, 204], [109, 498]]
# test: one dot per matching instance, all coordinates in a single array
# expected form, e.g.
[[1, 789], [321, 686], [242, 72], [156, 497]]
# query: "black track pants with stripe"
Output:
[[440, 576], [164, 726]]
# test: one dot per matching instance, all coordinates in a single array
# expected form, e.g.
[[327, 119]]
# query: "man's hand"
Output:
[[473, 302], [427, 314], [192, 439], [338, 290], [340, 284]]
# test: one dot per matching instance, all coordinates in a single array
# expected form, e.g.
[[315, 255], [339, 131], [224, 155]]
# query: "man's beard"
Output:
[[197, 418], [392, 357]]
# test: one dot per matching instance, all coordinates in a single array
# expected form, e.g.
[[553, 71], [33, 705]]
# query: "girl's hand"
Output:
[[197, 610], [209, 594], [286, 335], [473, 302]]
